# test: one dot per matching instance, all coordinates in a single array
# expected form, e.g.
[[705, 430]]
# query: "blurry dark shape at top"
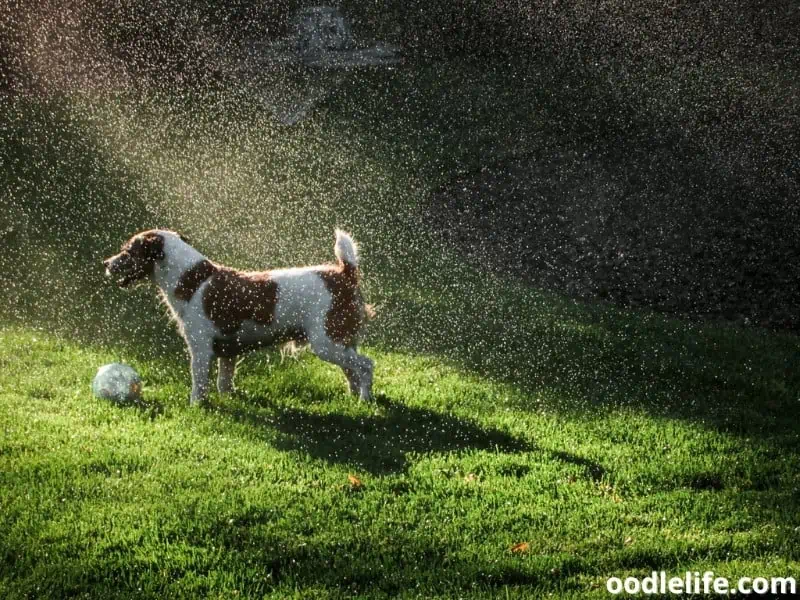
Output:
[[189, 42], [322, 29], [321, 36], [292, 75]]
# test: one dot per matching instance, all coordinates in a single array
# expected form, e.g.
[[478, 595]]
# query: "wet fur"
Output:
[[222, 313]]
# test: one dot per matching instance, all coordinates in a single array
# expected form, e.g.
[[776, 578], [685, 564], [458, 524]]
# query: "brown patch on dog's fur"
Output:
[[234, 296], [146, 248], [347, 312], [193, 278]]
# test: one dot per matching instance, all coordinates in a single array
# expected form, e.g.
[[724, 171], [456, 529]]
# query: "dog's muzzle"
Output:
[[117, 271]]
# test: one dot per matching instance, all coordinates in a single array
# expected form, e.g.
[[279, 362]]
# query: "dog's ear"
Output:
[[153, 245]]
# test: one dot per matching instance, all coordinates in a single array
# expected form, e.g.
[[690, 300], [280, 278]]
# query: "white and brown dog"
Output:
[[222, 312]]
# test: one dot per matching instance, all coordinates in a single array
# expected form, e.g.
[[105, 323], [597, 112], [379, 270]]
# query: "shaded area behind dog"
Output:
[[70, 205]]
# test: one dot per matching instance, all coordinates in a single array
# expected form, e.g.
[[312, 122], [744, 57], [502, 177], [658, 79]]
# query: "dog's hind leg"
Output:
[[225, 373], [357, 368], [352, 375], [360, 377], [365, 378]]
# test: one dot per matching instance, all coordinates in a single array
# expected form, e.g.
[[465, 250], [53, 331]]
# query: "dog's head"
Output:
[[137, 258]]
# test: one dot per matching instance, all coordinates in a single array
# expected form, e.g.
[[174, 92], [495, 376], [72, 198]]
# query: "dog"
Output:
[[223, 313]]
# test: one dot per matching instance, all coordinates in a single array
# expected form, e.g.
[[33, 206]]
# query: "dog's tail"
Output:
[[346, 249]]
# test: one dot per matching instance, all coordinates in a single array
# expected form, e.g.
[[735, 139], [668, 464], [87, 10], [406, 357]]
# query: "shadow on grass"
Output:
[[379, 443], [593, 470]]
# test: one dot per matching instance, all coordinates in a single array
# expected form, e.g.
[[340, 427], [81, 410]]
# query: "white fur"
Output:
[[345, 248], [178, 258]]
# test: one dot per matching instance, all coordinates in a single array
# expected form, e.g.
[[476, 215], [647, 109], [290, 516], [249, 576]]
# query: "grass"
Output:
[[253, 495], [611, 442]]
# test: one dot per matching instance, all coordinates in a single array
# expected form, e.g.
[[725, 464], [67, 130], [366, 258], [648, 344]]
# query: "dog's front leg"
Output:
[[352, 380], [225, 373], [201, 366]]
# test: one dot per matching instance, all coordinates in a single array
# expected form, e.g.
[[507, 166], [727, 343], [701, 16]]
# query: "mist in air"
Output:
[[580, 155]]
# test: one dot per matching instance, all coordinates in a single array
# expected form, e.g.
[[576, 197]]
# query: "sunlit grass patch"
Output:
[[255, 494]]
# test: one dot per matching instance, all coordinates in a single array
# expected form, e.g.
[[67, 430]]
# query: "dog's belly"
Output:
[[253, 336]]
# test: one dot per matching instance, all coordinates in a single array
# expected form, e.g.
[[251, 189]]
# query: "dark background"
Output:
[[180, 39], [691, 109]]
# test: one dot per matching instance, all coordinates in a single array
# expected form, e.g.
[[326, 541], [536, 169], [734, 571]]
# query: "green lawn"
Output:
[[611, 442]]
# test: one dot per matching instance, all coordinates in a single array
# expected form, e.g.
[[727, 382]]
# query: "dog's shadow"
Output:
[[378, 443]]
